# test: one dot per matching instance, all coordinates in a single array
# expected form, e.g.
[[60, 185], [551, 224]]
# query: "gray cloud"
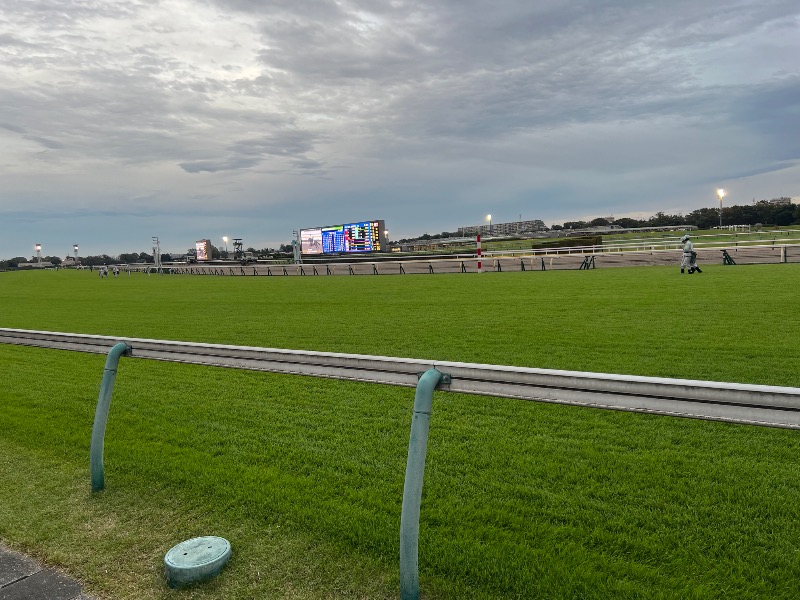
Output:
[[553, 107], [212, 166]]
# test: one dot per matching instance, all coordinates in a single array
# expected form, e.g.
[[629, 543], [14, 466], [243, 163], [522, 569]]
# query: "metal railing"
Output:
[[737, 403], [733, 402]]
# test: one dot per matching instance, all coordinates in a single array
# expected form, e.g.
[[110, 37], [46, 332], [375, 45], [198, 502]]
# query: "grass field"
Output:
[[305, 476]]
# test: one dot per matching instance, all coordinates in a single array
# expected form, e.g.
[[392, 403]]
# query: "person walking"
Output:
[[689, 260]]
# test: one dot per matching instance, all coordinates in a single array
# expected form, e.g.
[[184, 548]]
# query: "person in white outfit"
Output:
[[689, 260]]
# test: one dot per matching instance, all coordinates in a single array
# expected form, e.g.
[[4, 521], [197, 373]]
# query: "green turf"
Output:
[[304, 475], [728, 323]]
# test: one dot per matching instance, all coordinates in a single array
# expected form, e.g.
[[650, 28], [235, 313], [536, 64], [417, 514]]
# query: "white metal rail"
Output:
[[740, 403]]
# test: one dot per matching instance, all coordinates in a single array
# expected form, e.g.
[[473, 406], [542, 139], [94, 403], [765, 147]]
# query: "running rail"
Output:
[[732, 402], [738, 403]]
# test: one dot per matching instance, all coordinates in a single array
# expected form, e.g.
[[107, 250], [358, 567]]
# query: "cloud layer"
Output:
[[253, 118]]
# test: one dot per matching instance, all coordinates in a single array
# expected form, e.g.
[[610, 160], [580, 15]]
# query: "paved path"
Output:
[[23, 578]]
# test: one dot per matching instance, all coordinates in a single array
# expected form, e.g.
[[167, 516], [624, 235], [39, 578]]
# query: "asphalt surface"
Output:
[[23, 578]]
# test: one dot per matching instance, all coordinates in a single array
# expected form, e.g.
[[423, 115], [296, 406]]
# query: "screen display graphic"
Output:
[[311, 241], [364, 236], [203, 249]]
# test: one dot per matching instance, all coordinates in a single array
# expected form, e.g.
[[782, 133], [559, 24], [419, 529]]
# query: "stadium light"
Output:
[[489, 218], [720, 195], [38, 248]]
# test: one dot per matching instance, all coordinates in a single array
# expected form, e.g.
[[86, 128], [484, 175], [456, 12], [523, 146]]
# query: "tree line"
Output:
[[764, 212], [142, 257]]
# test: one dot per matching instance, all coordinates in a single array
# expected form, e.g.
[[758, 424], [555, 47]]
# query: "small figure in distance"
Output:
[[116, 271], [689, 256]]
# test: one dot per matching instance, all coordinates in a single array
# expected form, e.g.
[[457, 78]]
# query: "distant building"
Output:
[[781, 201], [512, 228]]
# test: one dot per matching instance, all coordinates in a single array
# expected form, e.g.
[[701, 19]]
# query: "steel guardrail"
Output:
[[732, 402]]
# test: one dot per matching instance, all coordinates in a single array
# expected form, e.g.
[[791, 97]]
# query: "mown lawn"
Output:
[[305, 476]]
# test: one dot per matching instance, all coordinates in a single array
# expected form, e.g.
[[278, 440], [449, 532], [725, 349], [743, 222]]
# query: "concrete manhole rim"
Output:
[[195, 560]]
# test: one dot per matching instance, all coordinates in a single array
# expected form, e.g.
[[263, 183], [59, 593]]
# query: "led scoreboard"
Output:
[[203, 249], [365, 236]]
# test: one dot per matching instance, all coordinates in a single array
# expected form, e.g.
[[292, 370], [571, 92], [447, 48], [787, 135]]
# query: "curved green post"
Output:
[[101, 415], [412, 490]]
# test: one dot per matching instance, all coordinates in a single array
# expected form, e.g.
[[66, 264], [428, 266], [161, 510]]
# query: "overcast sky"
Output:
[[190, 119]]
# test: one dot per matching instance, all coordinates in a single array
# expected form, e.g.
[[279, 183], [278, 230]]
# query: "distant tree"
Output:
[[103, 259], [129, 257], [599, 222], [145, 257], [52, 259], [557, 227], [782, 214], [703, 218], [14, 262], [575, 224], [627, 223], [661, 219]]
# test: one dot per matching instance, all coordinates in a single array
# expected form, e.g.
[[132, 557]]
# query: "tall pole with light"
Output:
[[225, 239], [38, 248], [489, 218], [720, 195], [75, 249], [157, 253]]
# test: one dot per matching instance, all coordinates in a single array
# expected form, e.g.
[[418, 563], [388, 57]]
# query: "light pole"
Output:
[[75, 249], [38, 248], [157, 254], [489, 218], [720, 195], [297, 248], [225, 239]]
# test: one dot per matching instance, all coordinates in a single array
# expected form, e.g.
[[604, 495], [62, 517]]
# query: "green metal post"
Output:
[[101, 415], [412, 490]]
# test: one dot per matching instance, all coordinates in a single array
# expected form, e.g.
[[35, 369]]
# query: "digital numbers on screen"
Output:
[[350, 237]]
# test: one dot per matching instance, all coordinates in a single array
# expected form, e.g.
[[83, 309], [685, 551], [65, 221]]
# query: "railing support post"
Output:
[[101, 415], [412, 489]]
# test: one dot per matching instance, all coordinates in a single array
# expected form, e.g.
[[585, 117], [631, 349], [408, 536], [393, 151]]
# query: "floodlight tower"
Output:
[[297, 247], [720, 195], [156, 253], [225, 239], [238, 254], [489, 218], [75, 249], [38, 248]]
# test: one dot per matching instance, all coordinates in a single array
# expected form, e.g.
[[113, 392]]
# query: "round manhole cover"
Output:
[[196, 560]]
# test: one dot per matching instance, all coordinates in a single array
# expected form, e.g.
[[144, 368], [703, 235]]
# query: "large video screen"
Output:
[[365, 236], [203, 249]]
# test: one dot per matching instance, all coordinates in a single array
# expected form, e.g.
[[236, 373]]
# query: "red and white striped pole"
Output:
[[480, 267]]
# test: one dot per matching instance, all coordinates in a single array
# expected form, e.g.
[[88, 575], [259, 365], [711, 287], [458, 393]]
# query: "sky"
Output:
[[192, 119]]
